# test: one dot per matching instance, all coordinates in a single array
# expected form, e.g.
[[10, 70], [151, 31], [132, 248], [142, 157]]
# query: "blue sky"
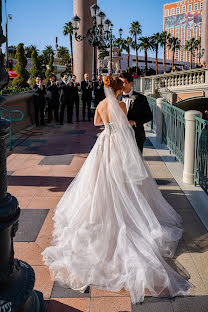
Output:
[[38, 22]]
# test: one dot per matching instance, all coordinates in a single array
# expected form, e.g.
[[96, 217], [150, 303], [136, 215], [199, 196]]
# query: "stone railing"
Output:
[[195, 80]]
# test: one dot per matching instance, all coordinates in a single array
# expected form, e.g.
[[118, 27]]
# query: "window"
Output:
[[177, 54], [172, 11], [166, 12], [182, 54], [195, 6], [178, 10], [189, 7], [201, 5], [177, 32], [195, 33], [184, 9], [188, 56], [188, 33]]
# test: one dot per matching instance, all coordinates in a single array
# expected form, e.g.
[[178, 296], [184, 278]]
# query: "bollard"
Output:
[[17, 278], [189, 146]]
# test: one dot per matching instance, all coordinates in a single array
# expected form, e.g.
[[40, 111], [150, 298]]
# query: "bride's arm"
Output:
[[97, 119]]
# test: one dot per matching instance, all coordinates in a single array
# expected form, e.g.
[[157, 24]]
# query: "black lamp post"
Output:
[[120, 31], [108, 36], [95, 37], [17, 278]]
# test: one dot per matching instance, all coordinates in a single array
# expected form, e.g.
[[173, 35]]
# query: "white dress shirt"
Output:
[[127, 100]]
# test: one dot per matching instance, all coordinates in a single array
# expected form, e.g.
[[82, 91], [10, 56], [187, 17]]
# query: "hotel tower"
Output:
[[183, 19]]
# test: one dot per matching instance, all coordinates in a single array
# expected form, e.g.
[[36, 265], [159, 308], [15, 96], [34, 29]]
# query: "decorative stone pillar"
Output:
[[82, 50], [204, 32], [189, 147]]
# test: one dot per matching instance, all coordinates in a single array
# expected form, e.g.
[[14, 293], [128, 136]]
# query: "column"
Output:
[[189, 148], [82, 50], [204, 32]]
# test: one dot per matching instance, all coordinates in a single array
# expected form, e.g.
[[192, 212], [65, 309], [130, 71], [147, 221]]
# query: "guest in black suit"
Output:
[[39, 101], [66, 98], [52, 97], [86, 87], [138, 109], [99, 90], [75, 96]]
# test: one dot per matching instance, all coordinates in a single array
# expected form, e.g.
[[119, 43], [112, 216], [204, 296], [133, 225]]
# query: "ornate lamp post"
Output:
[[108, 35], [17, 278], [95, 37], [120, 31]]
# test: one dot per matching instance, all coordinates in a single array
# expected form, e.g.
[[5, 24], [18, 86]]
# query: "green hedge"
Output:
[[11, 90]]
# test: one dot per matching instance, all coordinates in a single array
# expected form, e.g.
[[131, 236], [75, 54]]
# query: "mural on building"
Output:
[[189, 19]]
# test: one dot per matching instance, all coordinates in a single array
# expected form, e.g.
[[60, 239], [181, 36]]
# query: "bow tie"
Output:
[[125, 95]]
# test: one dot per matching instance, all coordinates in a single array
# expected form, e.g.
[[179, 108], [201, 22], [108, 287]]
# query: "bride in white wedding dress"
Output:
[[112, 227]]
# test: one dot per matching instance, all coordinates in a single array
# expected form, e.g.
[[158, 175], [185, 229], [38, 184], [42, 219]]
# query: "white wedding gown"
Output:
[[112, 227]]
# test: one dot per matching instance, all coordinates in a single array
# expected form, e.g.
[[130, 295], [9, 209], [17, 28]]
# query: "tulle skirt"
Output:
[[112, 234]]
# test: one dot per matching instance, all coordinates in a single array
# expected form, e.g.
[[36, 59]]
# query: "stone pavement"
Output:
[[40, 168]]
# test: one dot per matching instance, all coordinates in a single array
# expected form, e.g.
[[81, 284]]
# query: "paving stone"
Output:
[[57, 160], [190, 304], [30, 224], [33, 148], [30, 141], [169, 182], [61, 292], [75, 132], [153, 305]]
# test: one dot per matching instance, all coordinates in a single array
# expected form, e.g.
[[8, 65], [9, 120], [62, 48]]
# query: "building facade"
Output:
[[183, 19]]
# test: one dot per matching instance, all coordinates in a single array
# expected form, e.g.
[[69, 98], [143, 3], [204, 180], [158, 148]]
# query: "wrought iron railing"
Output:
[[7, 114], [153, 107], [173, 129], [201, 154]]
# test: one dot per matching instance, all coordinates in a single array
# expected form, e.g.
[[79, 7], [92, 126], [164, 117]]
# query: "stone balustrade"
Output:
[[189, 83]]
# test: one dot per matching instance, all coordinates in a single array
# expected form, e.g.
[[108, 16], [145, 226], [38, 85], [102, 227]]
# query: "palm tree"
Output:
[[190, 46], [30, 49], [173, 44], [198, 45], [126, 45], [63, 53], [146, 43], [156, 40], [135, 29], [163, 41], [46, 53], [68, 30]]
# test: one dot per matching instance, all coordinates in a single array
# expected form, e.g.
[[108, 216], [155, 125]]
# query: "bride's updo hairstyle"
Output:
[[114, 83]]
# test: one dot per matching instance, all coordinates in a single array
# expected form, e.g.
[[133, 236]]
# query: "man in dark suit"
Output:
[[65, 99], [99, 89], [39, 101], [75, 95], [86, 87], [52, 97], [138, 109]]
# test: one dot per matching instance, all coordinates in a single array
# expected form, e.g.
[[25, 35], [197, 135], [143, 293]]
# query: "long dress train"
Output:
[[113, 228]]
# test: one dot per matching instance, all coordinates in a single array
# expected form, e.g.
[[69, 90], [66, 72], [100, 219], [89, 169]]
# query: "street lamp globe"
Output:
[[107, 25], [100, 18], [95, 9], [75, 22]]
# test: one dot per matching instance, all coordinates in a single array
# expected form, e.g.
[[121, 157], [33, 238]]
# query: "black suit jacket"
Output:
[[140, 112], [86, 91], [65, 93], [52, 93], [39, 94], [99, 91]]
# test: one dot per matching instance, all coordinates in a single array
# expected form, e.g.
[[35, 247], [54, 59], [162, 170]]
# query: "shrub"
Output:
[[50, 68], [21, 80], [36, 68]]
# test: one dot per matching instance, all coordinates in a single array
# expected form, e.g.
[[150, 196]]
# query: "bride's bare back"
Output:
[[102, 113]]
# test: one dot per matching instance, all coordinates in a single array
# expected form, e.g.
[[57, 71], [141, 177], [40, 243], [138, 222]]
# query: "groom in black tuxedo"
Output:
[[138, 109]]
